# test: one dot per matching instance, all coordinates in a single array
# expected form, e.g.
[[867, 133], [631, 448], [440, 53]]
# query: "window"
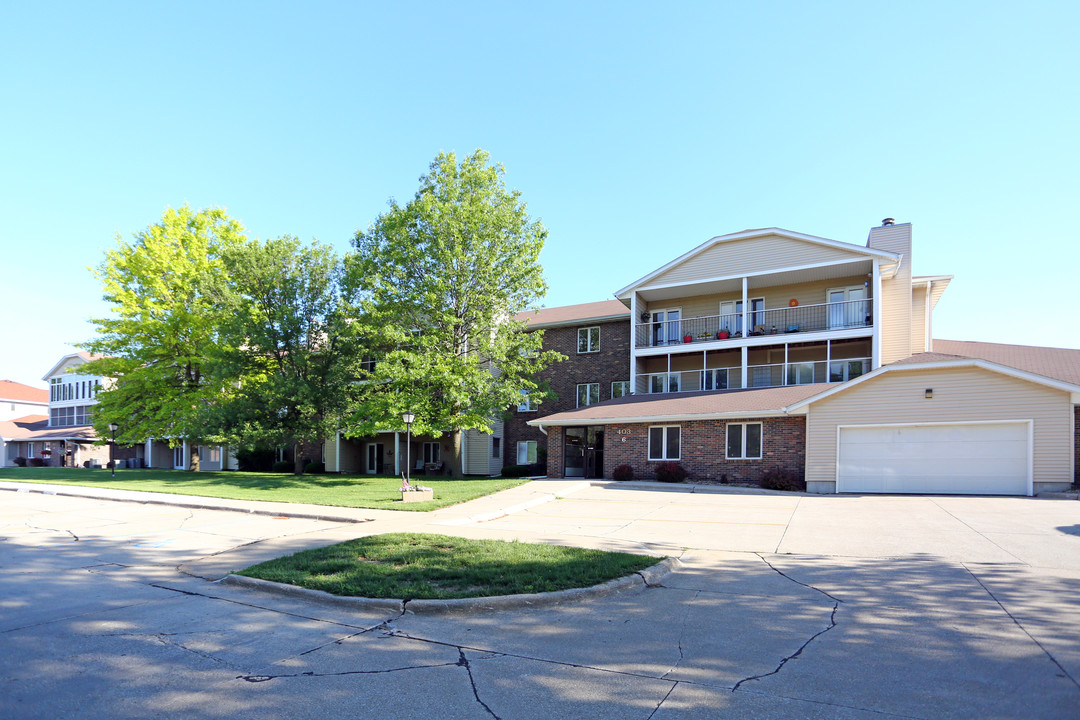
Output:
[[620, 388], [29, 450], [744, 441], [526, 404], [664, 442], [588, 394], [432, 452], [496, 447], [588, 340], [526, 452], [215, 453]]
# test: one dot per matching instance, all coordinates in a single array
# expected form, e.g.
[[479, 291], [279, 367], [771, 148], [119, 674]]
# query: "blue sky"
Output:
[[635, 132]]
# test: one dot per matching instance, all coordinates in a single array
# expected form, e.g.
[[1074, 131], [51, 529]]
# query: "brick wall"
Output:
[[704, 445], [555, 466], [609, 365]]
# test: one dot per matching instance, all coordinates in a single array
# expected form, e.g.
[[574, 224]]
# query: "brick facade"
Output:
[[611, 364], [703, 452]]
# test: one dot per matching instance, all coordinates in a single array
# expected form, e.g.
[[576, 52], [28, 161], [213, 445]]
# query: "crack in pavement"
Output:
[[464, 662], [969, 527], [1024, 629], [663, 699], [64, 530], [787, 525], [164, 639], [267, 678], [682, 634], [784, 661]]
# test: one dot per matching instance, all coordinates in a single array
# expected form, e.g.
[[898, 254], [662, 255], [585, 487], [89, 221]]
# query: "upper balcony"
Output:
[[666, 327]]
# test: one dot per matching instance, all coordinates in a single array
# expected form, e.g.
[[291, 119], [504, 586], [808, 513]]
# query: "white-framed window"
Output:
[[588, 394], [526, 452], [665, 442], [588, 339], [620, 388], [526, 404], [744, 441], [215, 453], [29, 450], [432, 452]]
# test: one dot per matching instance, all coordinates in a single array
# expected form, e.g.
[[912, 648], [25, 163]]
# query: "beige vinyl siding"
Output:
[[495, 464], [918, 319], [477, 453], [895, 293], [960, 395], [330, 453], [779, 296], [752, 255]]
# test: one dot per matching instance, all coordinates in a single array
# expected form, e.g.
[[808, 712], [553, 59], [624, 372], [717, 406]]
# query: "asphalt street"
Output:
[[782, 606]]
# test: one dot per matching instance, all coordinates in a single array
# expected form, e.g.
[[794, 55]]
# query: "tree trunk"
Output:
[[298, 459], [196, 462], [457, 460]]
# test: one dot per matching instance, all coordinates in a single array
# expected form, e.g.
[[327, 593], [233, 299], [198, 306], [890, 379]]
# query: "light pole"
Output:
[[407, 418], [112, 447]]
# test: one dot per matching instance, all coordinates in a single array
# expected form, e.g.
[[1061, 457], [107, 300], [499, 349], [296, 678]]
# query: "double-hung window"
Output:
[[526, 404], [587, 394], [620, 388], [526, 452], [665, 442], [744, 441], [588, 339], [432, 452]]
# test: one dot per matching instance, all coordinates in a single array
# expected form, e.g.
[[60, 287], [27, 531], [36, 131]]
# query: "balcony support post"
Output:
[[746, 307], [875, 351], [745, 359], [634, 332], [828, 359]]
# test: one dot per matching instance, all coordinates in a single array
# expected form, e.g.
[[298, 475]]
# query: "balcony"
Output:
[[757, 376], [847, 315]]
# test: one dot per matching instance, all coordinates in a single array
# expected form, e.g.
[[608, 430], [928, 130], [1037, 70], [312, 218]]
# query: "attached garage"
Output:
[[985, 458]]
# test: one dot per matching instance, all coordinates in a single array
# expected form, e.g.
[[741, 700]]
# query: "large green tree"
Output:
[[287, 346], [162, 332], [438, 282]]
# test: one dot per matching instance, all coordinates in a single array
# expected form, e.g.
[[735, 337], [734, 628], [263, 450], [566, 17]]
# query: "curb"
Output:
[[649, 577], [194, 504]]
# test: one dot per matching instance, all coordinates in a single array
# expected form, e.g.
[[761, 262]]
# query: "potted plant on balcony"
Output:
[[688, 338], [724, 334], [704, 336]]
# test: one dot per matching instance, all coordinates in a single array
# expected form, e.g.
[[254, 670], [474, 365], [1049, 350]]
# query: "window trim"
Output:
[[526, 406], [526, 444], [577, 394], [588, 343], [620, 382], [664, 449], [744, 425]]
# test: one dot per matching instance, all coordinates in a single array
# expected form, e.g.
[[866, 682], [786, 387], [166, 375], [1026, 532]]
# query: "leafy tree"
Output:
[[163, 329], [437, 283], [286, 342]]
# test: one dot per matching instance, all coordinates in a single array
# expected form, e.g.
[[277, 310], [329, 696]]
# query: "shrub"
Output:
[[623, 473], [315, 468], [282, 466], [518, 471], [779, 479], [255, 460], [20, 461], [670, 472], [35, 462]]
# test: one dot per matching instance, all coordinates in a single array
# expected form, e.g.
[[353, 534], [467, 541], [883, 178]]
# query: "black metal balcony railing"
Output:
[[757, 376], [778, 321]]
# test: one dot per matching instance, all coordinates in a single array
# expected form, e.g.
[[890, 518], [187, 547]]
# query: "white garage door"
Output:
[[967, 459]]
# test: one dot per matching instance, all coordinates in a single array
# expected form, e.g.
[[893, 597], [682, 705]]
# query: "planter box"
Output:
[[417, 495]]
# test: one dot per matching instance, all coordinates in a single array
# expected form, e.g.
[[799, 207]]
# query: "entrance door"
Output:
[[594, 452], [178, 457], [666, 326], [574, 457], [375, 460], [731, 314]]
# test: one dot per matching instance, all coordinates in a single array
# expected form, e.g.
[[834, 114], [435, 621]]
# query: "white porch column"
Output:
[[149, 452], [337, 451], [397, 453], [746, 308], [745, 360], [633, 341], [875, 352], [187, 457]]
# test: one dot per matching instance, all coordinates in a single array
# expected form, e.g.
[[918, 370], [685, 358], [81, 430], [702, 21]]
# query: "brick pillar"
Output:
[[555, 466]]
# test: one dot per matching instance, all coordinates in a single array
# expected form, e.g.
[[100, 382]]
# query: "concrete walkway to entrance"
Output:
[[784, 606]]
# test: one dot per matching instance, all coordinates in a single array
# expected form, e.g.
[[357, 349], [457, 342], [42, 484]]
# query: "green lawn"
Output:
[[358, 491], [430, 567]]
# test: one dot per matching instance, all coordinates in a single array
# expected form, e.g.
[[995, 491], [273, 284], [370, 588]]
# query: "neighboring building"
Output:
[[18, 400], [595, 338], [387, 453], [772, 349]]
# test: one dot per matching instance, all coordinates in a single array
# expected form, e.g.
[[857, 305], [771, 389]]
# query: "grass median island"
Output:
[[415, 566], [355, 491]]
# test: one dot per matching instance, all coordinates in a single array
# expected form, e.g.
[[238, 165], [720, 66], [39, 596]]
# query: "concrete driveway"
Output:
[[784, 606]]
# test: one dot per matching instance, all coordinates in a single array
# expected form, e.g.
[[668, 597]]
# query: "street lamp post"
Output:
[[112, 447], [407, 418]]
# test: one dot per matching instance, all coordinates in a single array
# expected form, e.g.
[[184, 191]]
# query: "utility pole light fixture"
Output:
[[112, 447]]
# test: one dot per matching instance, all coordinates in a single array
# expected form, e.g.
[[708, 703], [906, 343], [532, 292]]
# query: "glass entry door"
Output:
[[375, 459], [666, 327], [584, 453], [845, 308]]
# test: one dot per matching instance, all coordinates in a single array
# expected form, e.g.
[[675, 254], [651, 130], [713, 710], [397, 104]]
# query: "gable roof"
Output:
[[36, 427], [759, 232], [574, 314], [1057, 363], [18, 392], [678, 407], [85, 356]]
